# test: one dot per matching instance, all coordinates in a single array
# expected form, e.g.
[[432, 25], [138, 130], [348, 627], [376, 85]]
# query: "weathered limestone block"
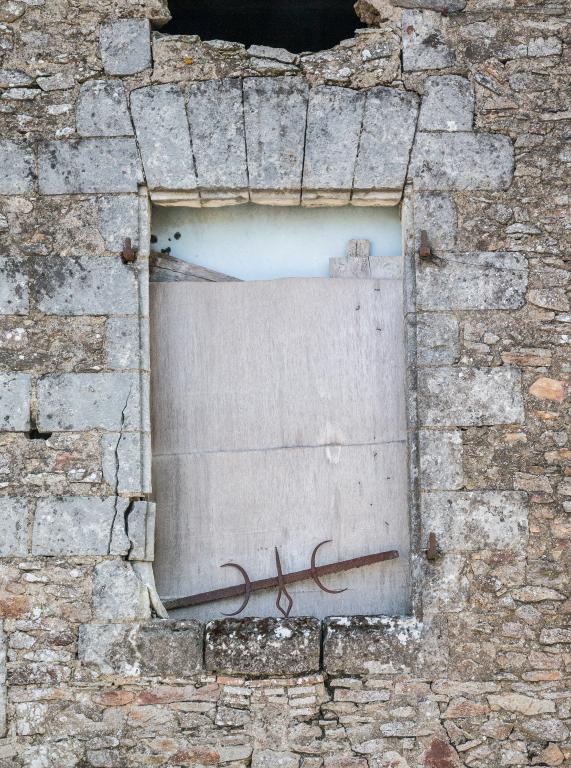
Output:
[[85, 285], [163, 135], [89, 165], [16, 167], [389, 122], [102, 109], [334, 120], [3, 692], [13, 287], [78, 401], [216, 118], [463, 396], [268, 758], [14, 402], [125, 46], [473, 281], [440, 459], [424, 41], [141, 531], [123, 341], [275, 112], [80, 525], [436, 214], [169, 649], [438, 338], [447, 104], [13, 526], [118, 593], [445, 586], [124, 462], [432, 5], [462, 160], [466, 521], [359, 645], [119, 219], [263, 646]]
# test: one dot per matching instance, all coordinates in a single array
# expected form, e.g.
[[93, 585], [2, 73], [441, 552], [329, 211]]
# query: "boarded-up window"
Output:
[[279, 420]]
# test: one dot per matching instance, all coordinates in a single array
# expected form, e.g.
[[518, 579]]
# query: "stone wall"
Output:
[[458, 106]]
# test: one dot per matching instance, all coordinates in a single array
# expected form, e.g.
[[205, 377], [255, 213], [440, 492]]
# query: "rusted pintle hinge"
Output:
[[128, 254], [425, 251], [432, 550]]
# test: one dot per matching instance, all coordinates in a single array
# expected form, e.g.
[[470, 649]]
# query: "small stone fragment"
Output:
[[549, 389]]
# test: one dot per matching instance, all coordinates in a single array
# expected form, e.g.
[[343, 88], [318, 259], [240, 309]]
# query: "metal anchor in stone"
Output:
[[281, 581]]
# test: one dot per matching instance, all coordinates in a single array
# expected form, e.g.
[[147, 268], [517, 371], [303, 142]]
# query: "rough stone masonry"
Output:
[[456, 106]]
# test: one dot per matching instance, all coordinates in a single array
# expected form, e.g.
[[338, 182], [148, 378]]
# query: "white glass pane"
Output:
[[253, 242]]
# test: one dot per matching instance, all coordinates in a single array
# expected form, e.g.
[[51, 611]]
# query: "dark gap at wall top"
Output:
[[298, 25]]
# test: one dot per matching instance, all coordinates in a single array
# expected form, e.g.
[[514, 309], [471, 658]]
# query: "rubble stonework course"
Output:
[[456, 109]]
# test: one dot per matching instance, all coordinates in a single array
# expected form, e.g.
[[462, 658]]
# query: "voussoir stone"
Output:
[[15, 394], [447, 104], [220, 154], [334, 120], [16, 167], [13, 287], [467, 521], [275, 110], [78, 401], [167, 649], [473, 281], [80, 525], [389, 123], [89, 165], [102, 109], [161, 125], [263, 646], [464, 396], [13, 527], [462, 161], [125, 46]]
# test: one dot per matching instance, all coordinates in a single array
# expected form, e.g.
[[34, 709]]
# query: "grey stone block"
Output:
[[85, 285], [89, 165], [275, 110], [119, 219], [438, 338], [269, 758], [141, 531], [462, 396], [167, 649], [440, 460], [78, 401], [13, 287], [162, 130], [389, 123], [451, 6], [80, 525], [366, 645], [447, 104], [122, 461], [424, 41], [125, 46], [102, 109], [436, 214], [123, 342], [118, 593], [466, 521], [13, 526], [14, 402], [263, 646], [334, 120], [16, 167], [473, 281], [462, 161], [216, 119]]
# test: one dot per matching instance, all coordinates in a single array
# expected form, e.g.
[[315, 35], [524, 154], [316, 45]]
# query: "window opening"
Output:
[[297, 25]]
